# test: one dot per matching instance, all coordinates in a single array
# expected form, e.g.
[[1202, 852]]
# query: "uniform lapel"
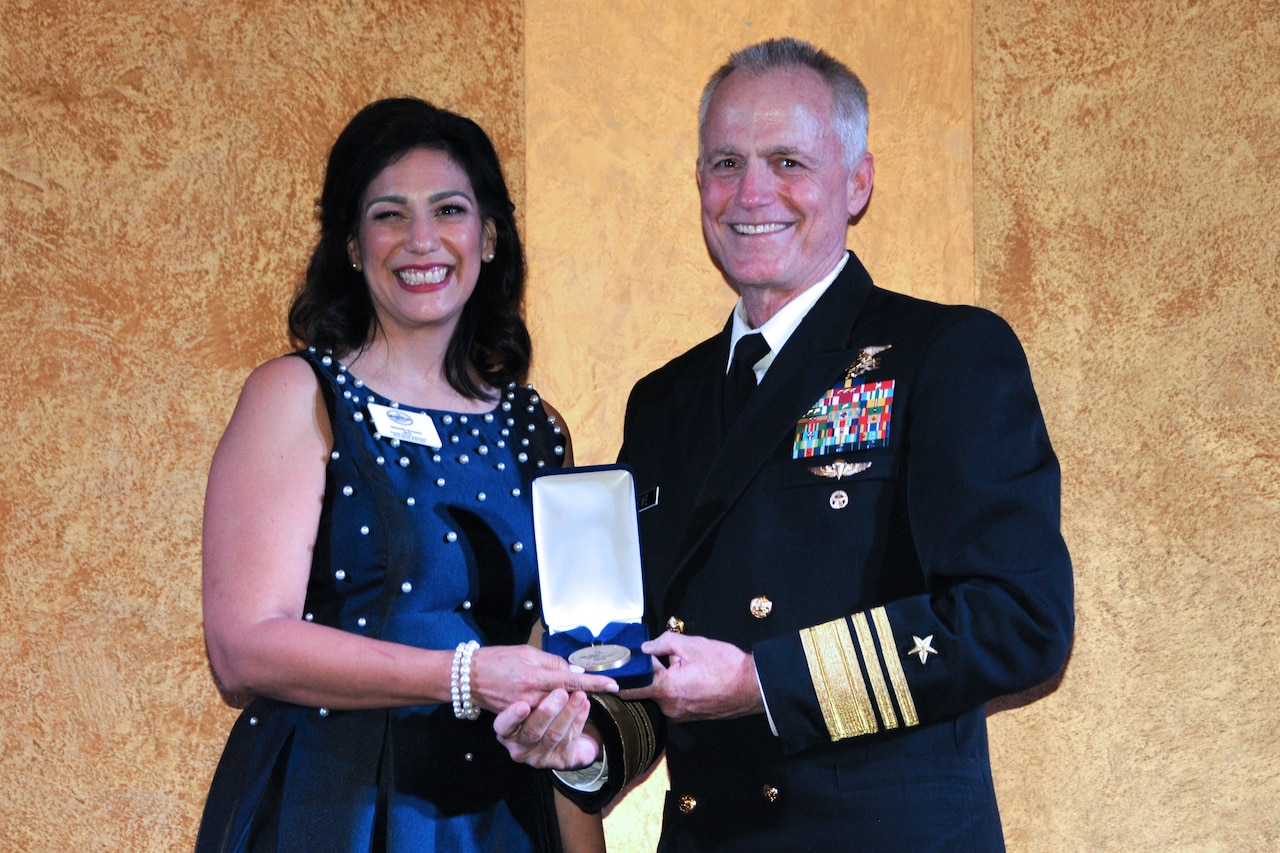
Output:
[[812, 360]]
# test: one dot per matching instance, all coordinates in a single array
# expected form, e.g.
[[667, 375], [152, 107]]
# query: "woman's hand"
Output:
[[553, 735], [502, 676]]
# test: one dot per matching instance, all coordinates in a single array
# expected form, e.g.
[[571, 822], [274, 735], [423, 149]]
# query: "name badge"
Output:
[[648, 500], [413, 427]]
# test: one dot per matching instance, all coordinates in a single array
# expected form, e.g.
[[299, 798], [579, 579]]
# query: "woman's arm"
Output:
[[579, 832]]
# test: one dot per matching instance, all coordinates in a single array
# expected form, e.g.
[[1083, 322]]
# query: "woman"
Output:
[[369, 577]]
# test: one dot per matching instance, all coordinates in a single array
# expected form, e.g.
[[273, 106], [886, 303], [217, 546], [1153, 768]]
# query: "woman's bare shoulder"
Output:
[[281, 397]]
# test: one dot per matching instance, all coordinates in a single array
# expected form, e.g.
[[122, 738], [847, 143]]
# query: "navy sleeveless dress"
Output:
[[418, 545]]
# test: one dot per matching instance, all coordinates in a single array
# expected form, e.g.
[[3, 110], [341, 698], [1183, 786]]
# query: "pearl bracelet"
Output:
[[460, 681]]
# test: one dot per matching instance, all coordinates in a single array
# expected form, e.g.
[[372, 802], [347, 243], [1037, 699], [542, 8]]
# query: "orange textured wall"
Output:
[[1104, 175], [158, 167], [1127, 172]]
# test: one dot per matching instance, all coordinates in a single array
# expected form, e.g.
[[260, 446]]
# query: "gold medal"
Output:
[[600, 658]]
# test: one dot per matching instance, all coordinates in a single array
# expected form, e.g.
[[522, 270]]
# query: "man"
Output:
[[851, 565]]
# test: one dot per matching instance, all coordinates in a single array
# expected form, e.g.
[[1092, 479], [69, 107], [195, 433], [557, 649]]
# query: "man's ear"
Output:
[[861, 180]]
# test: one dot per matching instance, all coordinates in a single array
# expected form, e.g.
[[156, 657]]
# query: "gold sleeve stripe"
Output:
[[837, 680], [893, 663], [881, 690], [645, 738], [635, 732]]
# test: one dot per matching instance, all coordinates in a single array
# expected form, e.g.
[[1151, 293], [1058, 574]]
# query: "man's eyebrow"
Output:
[[722, 151], [779, 151]]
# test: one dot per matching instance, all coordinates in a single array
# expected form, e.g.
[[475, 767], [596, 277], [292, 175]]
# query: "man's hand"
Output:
[[703, 679], [554, 735]]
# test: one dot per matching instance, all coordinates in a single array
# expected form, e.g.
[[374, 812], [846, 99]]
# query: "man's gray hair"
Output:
[[847, 91]]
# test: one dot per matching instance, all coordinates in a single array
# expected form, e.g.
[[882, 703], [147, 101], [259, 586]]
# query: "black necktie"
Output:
[[741, 380]]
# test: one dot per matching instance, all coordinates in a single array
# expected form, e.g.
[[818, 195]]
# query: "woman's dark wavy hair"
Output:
[[333, 309]]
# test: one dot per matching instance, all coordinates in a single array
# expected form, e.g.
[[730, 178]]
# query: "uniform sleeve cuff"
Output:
[[765, 701], [588, 779]]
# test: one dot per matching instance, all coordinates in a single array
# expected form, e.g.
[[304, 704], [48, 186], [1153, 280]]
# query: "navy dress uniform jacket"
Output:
[[887, 590]]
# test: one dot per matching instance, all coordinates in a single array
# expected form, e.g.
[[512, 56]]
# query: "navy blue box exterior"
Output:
[[637, 672]]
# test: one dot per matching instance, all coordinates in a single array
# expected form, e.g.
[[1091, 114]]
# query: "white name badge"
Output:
[[413, 427]]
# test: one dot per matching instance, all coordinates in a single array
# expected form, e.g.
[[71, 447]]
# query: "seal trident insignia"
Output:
[[866, 362]]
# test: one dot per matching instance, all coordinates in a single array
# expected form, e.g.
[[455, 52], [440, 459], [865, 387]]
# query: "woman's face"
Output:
[[420, 242]]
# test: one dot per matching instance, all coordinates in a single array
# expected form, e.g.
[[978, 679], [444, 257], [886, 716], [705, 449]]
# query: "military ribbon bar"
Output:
[[849, 417]]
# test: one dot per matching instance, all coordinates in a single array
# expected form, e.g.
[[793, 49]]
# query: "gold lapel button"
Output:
[[761, 607], [839, 499], [687, 804], [675, 626], [770, 793]]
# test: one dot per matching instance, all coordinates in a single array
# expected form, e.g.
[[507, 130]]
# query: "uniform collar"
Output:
[[777, 330]]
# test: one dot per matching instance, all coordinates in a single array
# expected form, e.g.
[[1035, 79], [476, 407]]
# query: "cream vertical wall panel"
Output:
[[158, 167], [620, 277]]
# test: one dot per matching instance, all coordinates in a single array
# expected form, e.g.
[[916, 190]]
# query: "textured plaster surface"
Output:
[[1127, 171], [158, 167], [1103, 175]]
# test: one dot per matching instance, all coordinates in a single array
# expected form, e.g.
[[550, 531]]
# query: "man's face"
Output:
[[776, 193]]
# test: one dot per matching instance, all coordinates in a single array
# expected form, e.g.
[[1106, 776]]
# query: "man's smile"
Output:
[[763, 228]]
